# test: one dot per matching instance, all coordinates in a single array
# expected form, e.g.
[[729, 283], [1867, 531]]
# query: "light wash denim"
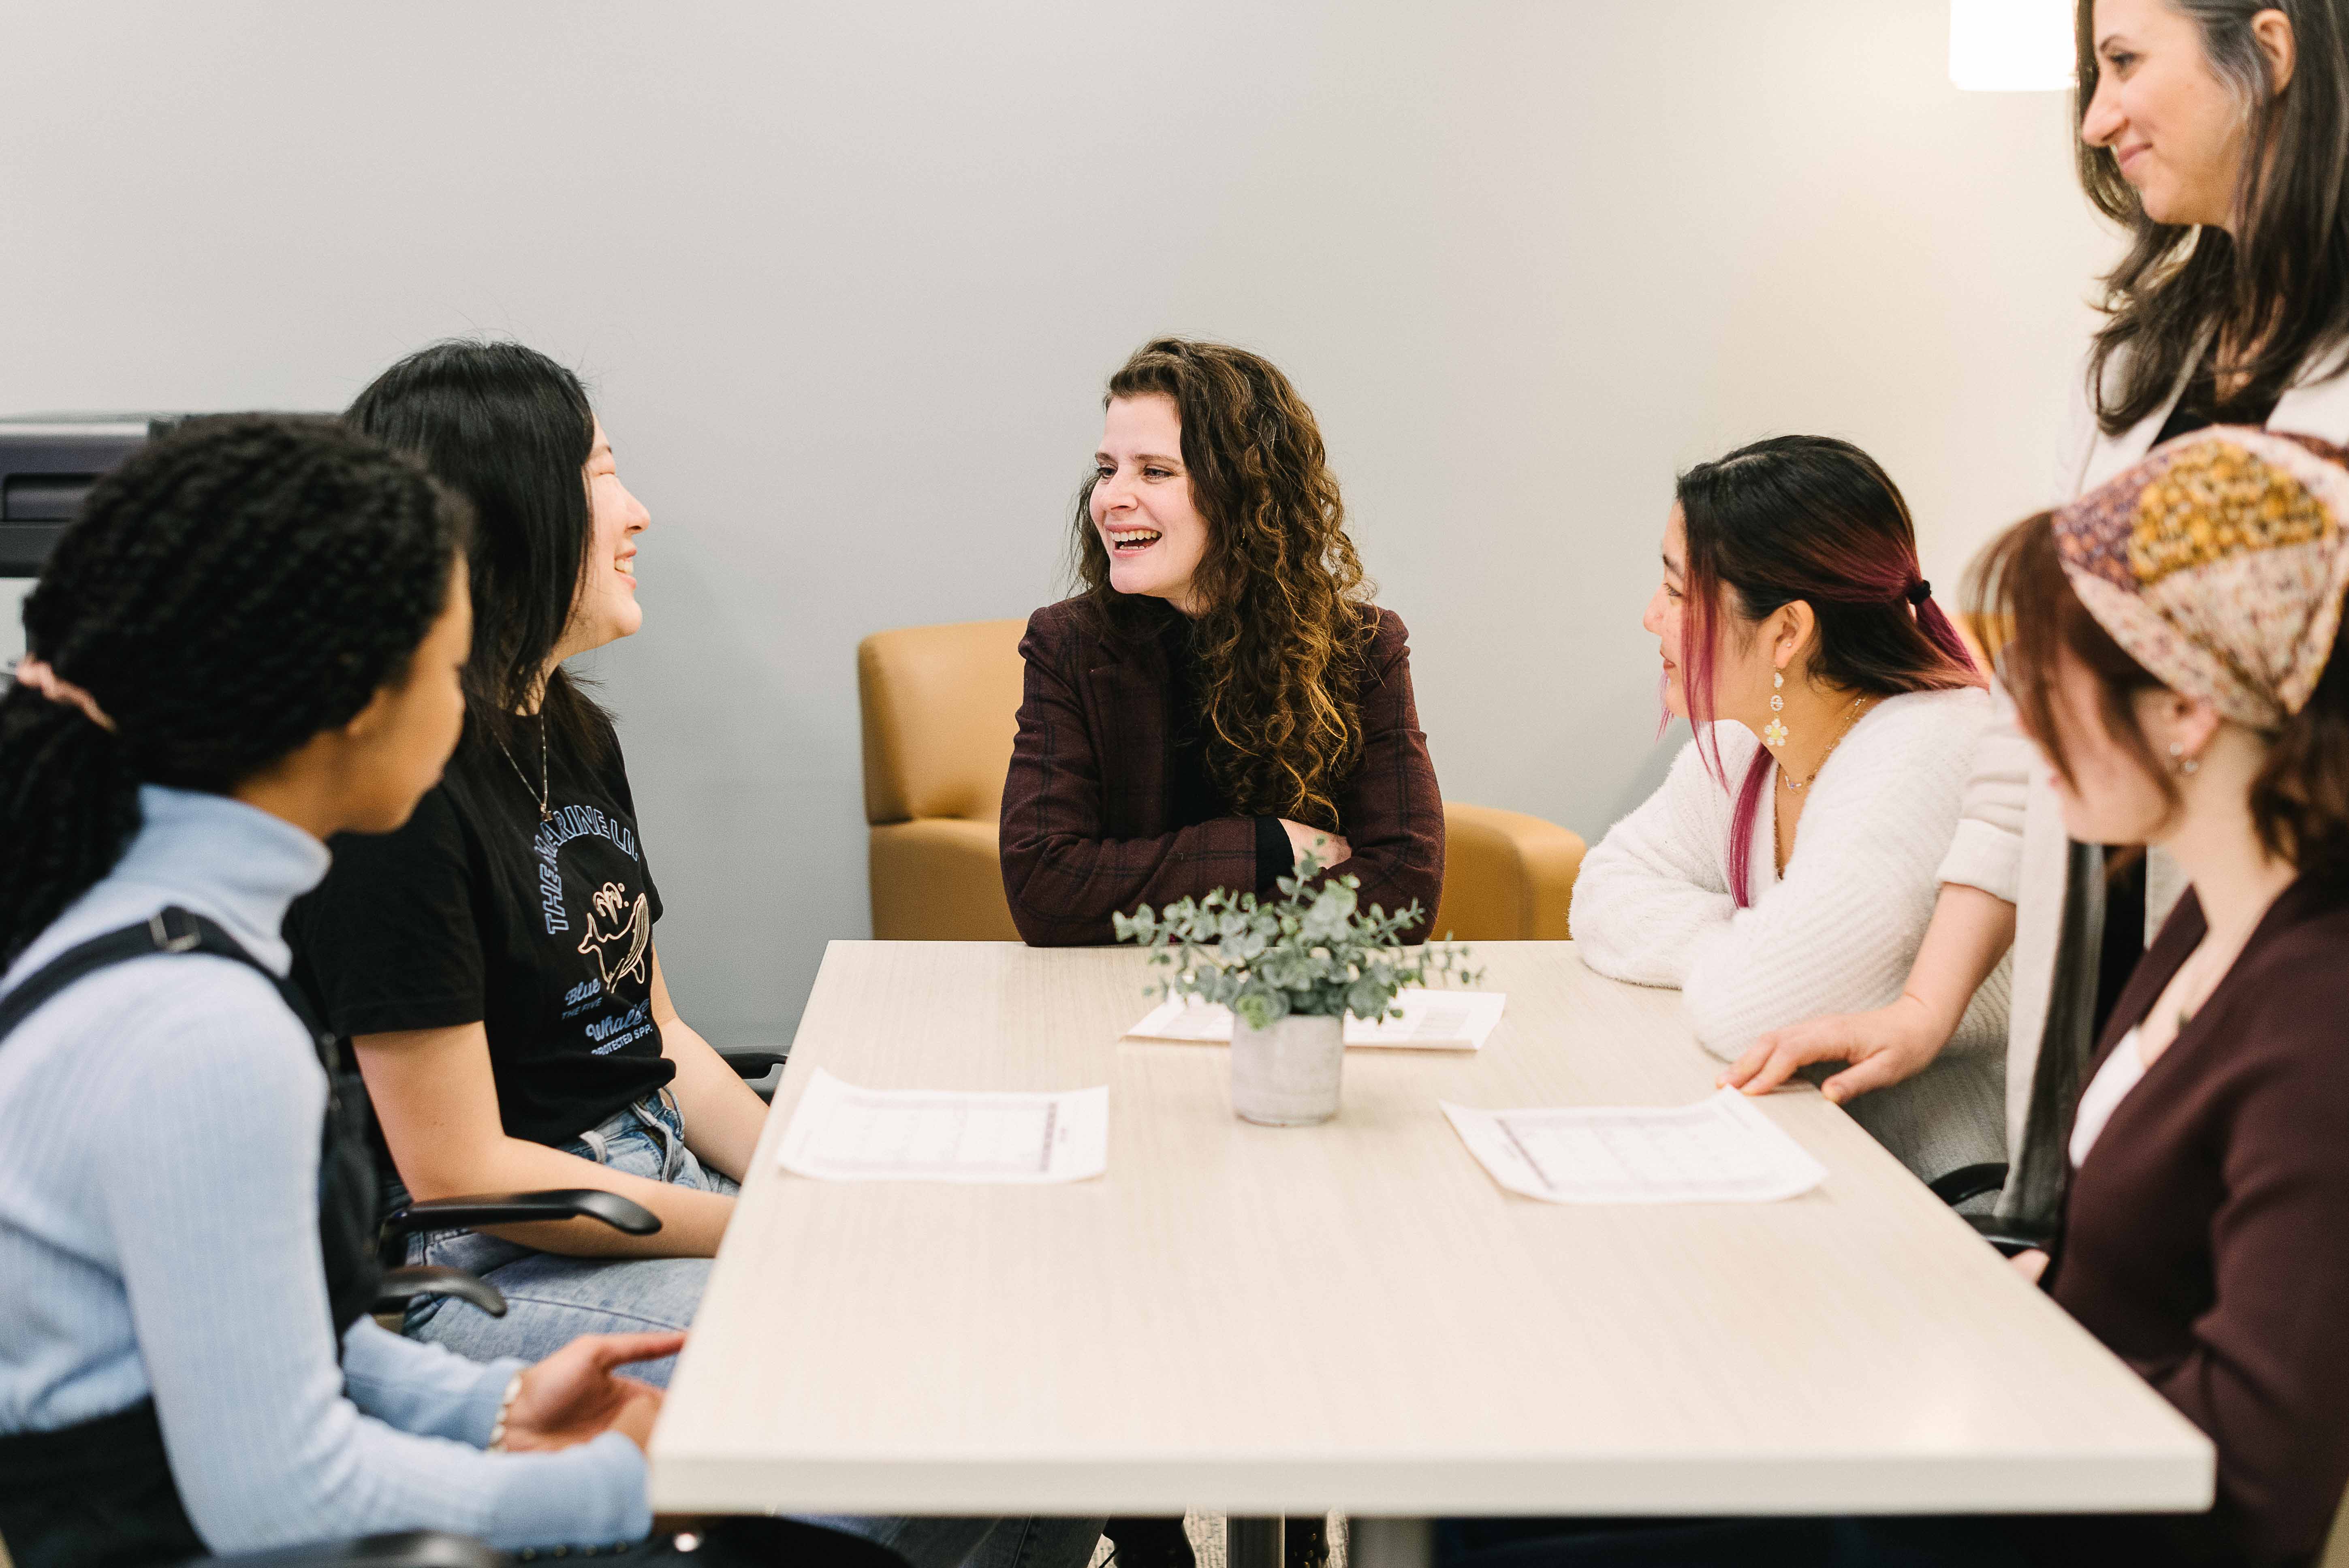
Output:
[[551, 1300]]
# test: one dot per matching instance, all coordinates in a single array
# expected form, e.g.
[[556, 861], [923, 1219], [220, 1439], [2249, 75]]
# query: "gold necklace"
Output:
[[545, 814], [1853, 718]]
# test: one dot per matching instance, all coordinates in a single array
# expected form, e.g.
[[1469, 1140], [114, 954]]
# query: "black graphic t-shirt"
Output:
[[477, 911]]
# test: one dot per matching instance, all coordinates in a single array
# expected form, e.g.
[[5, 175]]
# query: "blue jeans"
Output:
[[551, 1300]]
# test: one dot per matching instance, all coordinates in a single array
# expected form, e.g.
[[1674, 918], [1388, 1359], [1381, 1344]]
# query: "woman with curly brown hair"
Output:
[[1222, 698]]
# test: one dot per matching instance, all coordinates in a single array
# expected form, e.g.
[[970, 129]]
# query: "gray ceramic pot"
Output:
[[1287, 1075]]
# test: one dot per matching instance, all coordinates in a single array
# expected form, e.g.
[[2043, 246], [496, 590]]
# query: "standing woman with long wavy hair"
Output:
[[1222, 697], [2216, 133]]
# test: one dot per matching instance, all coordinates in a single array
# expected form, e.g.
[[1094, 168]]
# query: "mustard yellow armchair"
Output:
[[940, 707], [1507, 877], [941, 704]]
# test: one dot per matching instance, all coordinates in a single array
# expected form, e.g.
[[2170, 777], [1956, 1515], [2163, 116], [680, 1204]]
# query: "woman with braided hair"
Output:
[[492, 963], [1222, 698], [249, 641]]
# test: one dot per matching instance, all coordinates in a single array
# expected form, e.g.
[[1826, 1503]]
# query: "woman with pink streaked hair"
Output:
[[1786, 865]]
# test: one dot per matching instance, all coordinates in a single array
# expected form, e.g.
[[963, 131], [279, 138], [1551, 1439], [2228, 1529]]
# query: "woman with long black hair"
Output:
[[249, 641], [492, 963]]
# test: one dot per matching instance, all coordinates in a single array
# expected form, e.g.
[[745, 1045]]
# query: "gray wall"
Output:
[[847, 280]]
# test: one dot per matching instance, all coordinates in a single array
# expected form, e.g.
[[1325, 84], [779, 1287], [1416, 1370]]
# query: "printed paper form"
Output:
[[1431, 1021], [1721, 1150], [841, 1133]]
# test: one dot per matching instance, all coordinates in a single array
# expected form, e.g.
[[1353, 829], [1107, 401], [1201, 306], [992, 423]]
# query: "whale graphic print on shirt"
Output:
[[633, 938], [543, 932]]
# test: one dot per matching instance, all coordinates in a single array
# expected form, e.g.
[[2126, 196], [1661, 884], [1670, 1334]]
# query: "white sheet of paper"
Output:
[[1431, 1021], [1721, 1150], [843, 1133]]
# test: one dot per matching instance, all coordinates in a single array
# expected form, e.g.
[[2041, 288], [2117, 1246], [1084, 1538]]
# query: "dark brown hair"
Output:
[[1811, 518], [2299, 798], [2277, 291], [1286, 615]]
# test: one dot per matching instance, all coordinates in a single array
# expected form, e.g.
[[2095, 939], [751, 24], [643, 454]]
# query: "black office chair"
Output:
[[2033, 1185], [719, 1543], [761, 1068], [406, 1283], [2008, 1232], [407, 1549], [411, 1282]]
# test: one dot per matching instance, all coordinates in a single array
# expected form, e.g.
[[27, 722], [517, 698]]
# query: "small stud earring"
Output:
[[2190, 765]]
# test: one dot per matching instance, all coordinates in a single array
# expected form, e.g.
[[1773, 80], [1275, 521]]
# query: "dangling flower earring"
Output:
[[1774, 733]]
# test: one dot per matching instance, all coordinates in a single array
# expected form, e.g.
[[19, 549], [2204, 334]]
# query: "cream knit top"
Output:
[[1836, 934]]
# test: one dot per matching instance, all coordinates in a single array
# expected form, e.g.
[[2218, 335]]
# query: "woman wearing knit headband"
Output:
[[2176, 662], [1786, 865], [2216, 133]]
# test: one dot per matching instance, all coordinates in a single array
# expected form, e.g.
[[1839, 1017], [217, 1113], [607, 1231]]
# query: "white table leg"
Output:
[[1253, 1542], [1389, 1542]]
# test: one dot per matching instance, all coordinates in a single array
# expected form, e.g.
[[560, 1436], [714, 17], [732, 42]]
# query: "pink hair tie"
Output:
[[37, 674]]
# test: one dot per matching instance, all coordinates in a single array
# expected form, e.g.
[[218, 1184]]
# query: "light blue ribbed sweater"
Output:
[[159, 1234]]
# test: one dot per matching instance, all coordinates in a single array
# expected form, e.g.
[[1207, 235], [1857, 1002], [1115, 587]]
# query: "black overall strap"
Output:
[[348, 1189], [101, 1494], [172, 930]]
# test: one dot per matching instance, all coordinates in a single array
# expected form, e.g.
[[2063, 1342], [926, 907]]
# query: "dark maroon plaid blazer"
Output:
[[1085, 830]]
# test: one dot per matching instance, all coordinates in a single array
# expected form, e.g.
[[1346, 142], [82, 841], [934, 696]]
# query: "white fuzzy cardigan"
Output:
[[1836, 934]]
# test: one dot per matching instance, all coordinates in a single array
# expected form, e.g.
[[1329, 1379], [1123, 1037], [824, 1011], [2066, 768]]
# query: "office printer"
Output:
[[48, 464]]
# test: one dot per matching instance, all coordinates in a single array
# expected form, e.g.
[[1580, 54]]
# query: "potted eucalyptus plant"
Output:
[[1290, 969]]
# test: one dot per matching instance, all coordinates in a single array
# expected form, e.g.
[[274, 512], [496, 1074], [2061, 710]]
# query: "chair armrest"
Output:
[[401, 1286], [2010, 1235], [522, 1208], [1968, 1182], [408, 1549], [756, 1065]]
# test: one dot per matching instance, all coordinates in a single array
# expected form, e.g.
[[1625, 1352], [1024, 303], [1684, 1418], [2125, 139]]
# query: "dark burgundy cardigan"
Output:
[[2205, 1239], [1086, 830]]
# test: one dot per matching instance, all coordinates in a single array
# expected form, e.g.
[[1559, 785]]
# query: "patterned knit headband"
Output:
[[2219, 563]]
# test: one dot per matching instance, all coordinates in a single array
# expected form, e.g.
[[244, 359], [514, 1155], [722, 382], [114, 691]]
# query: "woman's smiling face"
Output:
[[605, 608], [2175, 127], [1141, 504]]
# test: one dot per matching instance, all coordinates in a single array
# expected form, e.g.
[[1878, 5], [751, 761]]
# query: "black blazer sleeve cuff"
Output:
[[1274, 859]]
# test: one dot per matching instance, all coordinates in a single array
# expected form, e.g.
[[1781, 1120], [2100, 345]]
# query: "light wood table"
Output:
[[1267, 1321]]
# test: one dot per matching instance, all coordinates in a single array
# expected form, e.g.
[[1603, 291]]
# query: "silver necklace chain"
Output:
[[544, 813]]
